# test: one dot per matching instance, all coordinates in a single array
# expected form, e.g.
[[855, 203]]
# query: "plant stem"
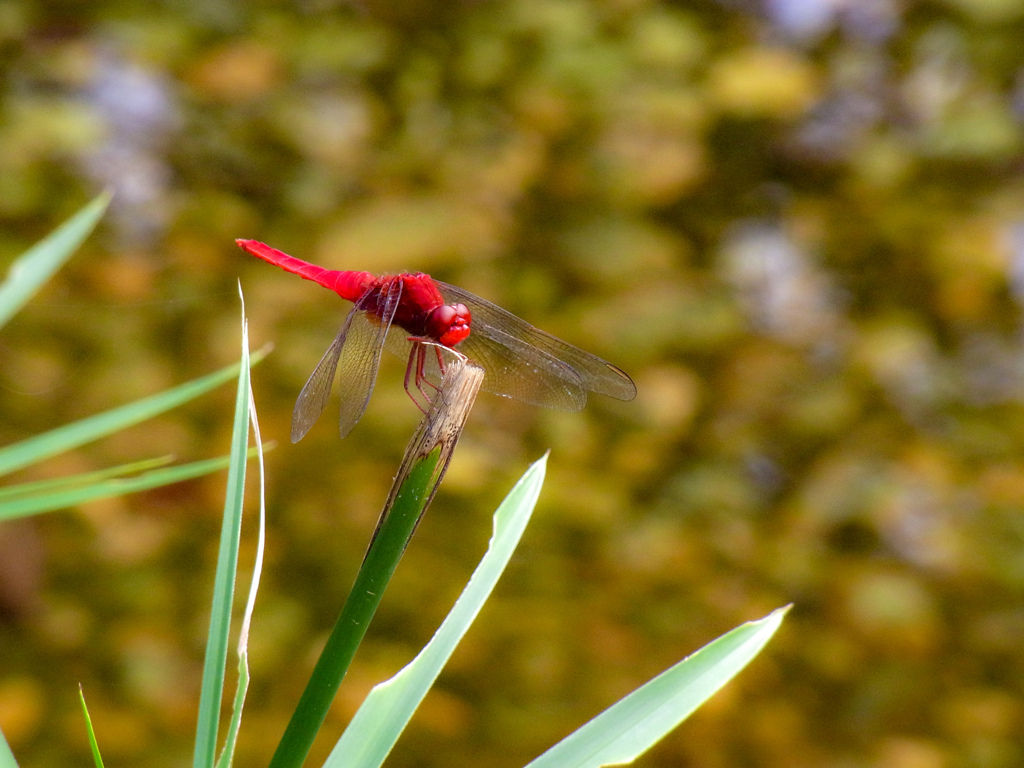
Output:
[[423, 467], [379, 564]]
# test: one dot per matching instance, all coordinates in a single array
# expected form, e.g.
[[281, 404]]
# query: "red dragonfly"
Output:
[[519, 361]]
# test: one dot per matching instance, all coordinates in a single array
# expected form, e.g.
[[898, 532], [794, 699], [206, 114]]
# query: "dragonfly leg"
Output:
[[440, 360], [414, 370], [421, 376]]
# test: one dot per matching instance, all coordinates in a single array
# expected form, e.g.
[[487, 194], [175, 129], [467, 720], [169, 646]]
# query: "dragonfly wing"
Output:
[[355, 352], [360, 357], [529, 364], [313, 397], [512, 368]]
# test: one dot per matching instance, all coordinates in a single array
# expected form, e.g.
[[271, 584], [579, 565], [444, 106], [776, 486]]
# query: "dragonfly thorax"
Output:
[[449, 324]]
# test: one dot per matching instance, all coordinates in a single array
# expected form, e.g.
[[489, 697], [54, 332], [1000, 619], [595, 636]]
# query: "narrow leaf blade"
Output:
[[6, 756], [118, 486], [55, 484], [384, 714], [96, 757], [228, 752], [637, 722], [86, 430], [34, 267], [215, 661]]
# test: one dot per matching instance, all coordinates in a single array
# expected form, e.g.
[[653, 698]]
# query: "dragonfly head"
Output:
[[449, 324]]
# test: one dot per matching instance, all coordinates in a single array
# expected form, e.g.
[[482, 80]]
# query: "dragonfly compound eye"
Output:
[[449, 324]]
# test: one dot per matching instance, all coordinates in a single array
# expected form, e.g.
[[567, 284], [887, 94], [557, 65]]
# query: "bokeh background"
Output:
[[799, 224]]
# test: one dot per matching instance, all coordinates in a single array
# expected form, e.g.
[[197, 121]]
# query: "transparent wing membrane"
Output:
[[354, 356], [357, 369], [529, 364], [313, 397], [520, 361]]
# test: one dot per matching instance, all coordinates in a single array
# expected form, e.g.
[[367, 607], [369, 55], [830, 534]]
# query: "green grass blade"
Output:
[[37, 265], [383, 716], [96, 757], [24, 490], [228, 753], [6, 756], [118, 486], [72, 435], [215, 661], [629, 728]]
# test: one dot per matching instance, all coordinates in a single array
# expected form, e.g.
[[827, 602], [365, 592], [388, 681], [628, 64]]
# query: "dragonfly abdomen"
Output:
[[348, 284]]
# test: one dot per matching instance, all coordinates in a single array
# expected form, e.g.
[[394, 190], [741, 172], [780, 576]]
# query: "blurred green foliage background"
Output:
[[799, 224]]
